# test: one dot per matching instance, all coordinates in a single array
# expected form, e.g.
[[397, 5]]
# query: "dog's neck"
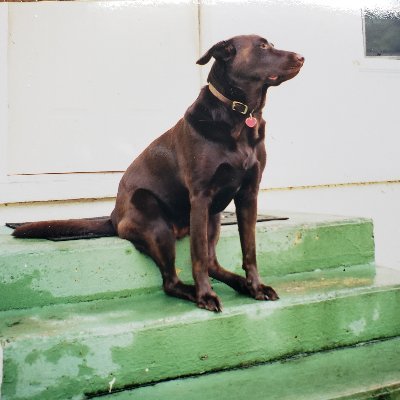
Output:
[[251, 94]]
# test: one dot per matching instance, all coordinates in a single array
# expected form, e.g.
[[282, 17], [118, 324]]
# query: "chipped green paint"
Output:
[[82, 347], [357, 373], [37, 272], [69, 350], [22, 288]]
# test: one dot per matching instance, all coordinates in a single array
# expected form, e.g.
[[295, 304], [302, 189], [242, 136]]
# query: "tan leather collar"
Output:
[[235, 105]]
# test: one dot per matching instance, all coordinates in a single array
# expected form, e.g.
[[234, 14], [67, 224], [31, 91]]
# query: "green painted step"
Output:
[[40, 272], [367, 371], [64, 351]]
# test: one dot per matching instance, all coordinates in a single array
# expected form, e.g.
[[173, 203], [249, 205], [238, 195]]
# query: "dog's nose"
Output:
[[300, 58]]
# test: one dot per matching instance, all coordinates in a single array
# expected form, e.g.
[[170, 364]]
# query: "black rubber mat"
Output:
[[227, 218]]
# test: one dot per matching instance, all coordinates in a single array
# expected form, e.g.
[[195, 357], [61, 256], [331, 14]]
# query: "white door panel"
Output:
[[92, 83]]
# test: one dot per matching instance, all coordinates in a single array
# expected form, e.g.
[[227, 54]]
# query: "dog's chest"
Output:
[[230, 174], [244, 156]]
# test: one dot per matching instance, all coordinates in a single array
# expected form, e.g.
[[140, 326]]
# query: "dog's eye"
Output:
[[264, 45]]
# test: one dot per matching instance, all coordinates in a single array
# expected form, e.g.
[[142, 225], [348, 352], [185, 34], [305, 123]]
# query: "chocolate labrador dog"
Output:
[[187, 176]]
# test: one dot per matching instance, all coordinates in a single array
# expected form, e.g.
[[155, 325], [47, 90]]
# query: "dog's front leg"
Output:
[[246, 211], [205, 296]]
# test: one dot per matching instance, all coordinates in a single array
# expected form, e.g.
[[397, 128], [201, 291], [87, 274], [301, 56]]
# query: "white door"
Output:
[[90, 84]]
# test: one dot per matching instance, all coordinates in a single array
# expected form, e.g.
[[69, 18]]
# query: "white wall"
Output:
[[3, 87], [336, 122], [82, 78]]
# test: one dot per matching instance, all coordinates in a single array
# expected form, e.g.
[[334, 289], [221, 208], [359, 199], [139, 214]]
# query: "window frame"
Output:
[[383, 57], [374, 64]]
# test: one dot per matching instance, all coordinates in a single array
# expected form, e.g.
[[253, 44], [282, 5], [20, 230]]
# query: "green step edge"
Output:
[[366, 371], [40, 272], [64, 351]]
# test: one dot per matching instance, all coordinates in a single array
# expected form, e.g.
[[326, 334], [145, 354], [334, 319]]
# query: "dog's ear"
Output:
[[221, 51]]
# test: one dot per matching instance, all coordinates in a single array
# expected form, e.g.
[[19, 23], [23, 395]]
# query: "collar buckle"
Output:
[[240, 107], [235, 105]]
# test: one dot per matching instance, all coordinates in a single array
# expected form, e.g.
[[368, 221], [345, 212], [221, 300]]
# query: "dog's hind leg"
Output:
[[148, 230]]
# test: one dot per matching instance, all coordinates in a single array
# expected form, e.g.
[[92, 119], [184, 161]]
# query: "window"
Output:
[[382, 31]]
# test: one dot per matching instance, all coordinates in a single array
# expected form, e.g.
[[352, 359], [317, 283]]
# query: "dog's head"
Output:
[[253, 58]]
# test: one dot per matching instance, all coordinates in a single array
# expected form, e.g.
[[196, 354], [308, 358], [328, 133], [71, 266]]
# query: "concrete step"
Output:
[[366, 371], [72, 350], [41, 272]]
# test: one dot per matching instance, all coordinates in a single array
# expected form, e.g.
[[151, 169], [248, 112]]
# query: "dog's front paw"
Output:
[[263, 292], [209, 301]]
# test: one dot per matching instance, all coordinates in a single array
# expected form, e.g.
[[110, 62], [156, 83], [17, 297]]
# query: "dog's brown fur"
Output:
[[187, 176]]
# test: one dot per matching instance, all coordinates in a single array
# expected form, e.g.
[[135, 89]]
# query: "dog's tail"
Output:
[[71, 228]]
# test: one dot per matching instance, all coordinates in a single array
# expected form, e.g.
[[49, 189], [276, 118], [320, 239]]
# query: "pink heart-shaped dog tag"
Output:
[[251, 122]]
